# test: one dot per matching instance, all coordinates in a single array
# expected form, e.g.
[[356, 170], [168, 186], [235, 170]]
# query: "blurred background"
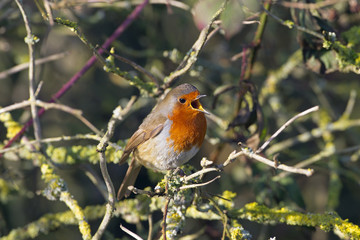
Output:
[[291, 71]]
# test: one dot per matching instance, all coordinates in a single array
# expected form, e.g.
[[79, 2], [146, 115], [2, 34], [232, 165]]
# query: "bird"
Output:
[[168, 137]]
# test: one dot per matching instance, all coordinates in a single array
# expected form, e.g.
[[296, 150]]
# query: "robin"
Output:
[[168, 137]]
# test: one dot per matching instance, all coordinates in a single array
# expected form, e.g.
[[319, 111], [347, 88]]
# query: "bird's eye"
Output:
[[182, 100]]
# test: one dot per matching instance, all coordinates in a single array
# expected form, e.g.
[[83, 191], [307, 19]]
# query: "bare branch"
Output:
[[275, 164], [327, 152], [95, 179], [313, 109], [223, 124], [24, 66], [58, 139], [117, 4], [75, 112], [135, 66], [141, 191], [340, 125], [134, 235], [49, 12], [117, 116], [350, 105], [232, 156], [247, 152], [312, 6], [191, 56], [111, 198], [199, 184], [300, 28], [150, 220], [31, 40], [201, 172]]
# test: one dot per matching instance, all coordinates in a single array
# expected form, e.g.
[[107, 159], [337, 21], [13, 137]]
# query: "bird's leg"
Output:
[[179, 171]]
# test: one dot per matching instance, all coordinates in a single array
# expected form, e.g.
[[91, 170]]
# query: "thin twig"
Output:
[[38, 89], [30, 40], [322, 98], [144, 192], [300, 28], [117, 4], [247, 152], [257, 40], [313, 109], [232, 156], [59, 139], [241, 54], [24, 66], [327, 152], [49, 12], [135, 66], [150, 220], [191, 56], [212, 33], [340, 125], [312, 6], [76, 113], [134, 235], [95, 179], [199, 184], [45, 105], [350, 104], [201, 172], [224, 217], [110, 197], [117, 116], [248, 63], [223, 124]]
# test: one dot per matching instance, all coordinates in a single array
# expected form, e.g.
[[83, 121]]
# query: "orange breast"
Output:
[[188, 128]]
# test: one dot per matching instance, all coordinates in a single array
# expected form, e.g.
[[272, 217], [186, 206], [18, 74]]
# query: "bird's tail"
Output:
[[129, 179]]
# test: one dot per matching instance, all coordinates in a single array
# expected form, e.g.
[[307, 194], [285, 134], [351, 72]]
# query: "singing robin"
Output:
[[168, 137]]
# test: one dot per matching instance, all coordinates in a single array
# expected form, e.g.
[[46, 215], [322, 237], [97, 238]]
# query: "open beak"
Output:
[[197, 105]]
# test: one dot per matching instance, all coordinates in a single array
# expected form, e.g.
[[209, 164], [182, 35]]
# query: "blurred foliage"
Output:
[[261, 64]]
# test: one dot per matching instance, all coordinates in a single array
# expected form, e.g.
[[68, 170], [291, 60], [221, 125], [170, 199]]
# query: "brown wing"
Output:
[[140, 136]]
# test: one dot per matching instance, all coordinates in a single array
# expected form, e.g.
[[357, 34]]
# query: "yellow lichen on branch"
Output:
[[325, 221], [56, 189]]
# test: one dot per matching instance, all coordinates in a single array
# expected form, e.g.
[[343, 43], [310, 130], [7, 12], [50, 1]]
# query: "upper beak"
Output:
[[200, 96], [200, 108]]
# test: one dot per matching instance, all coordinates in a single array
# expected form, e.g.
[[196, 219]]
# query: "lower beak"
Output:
[[201, 109]]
